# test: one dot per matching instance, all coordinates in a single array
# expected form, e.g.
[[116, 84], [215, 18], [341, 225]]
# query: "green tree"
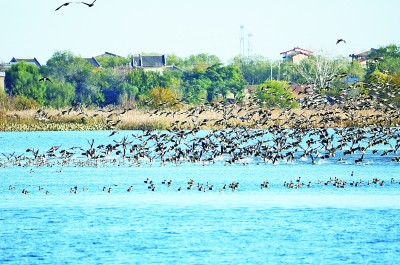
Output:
[[113, 61], [175, 60], [385, 59], [276, 94], [255, 69], [59, 94], [162, 97], [200, 61], [23, 79], [355, 69], [195, 86], [66, 67]]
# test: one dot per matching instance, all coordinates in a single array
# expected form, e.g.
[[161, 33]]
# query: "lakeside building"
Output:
[[156, 63], [364, 56], [108, 54], [33, 61], [15, 60], [295, 55], [93, 62]]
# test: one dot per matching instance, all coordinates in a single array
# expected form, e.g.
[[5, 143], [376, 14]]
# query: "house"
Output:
[[33, 61], [2, 80], [157, 63], [296, 55], [106, 54], [363, 56], [93, 62]]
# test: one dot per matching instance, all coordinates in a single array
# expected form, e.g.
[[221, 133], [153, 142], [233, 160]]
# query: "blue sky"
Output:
[[34, 29]]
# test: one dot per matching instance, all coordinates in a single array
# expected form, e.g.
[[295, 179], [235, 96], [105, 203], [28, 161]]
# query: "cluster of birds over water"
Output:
[[337, 131], [250, 134], [191, 185]]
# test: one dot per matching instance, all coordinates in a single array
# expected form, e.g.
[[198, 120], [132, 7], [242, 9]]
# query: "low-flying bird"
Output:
[[113, 133], [65, 4], [89, 5], [45, 79], [340, 40]]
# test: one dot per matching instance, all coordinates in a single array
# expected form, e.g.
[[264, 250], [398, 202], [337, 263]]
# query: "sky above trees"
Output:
[[184, 27]]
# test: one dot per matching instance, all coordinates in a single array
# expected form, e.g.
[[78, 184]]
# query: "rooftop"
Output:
[[294, 52], [93, 62], [149, 60], [27, 60]]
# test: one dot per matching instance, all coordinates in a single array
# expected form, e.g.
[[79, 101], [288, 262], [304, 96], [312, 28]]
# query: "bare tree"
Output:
[[320, 71]]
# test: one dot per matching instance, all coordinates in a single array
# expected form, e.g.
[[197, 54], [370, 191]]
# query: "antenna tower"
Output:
[[249, 45]]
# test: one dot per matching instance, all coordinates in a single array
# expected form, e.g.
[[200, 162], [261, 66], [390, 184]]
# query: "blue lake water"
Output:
[[103, 223]]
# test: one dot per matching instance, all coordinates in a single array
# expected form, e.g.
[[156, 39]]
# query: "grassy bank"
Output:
[[187, 118]]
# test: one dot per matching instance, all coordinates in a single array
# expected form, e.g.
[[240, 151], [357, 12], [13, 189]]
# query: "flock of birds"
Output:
[[337, 131], [67, 3], [289, 137], [191, 186], [241, 134]]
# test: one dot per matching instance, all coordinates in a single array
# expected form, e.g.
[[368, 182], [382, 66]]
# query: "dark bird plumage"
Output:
[[45, 79], [65, 4], [89, 5], [340, 40]]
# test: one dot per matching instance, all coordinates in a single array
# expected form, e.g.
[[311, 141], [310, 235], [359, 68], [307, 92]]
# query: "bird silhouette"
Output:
[[89, 5], [65, 4], [113, 133], [45, 79], [340, 40]]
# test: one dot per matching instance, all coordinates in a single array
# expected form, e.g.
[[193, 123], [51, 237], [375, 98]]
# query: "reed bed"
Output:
[[116, 119]]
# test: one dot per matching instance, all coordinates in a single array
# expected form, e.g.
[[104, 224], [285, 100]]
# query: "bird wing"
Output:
[[65, 4]]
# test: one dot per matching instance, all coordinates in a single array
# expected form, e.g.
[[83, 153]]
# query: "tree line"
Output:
[[73, 80]]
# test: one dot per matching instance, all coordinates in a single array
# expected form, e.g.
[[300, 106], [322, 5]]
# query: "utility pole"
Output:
[[279, 70], [271, 71], [241, 48], [249, 45]]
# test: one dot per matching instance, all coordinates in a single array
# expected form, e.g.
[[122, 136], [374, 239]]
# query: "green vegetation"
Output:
[[199, 79], [276, 94]]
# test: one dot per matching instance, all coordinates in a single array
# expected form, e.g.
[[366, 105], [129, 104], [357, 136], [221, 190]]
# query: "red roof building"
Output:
[[363, 56], [296, 55]]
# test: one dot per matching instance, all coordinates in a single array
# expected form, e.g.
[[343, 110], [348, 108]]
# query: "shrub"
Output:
[[24, 103], [162, 97]]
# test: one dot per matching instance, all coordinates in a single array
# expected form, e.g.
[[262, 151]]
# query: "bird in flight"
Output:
[[113, 133], [45, 79], [65, 4], [89, 5], [340, 40]]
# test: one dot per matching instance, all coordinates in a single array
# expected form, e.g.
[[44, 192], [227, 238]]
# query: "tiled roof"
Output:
[[148, 60], [27, 60], [93, 62], [108, 54], [295, 51], [364, 53]]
